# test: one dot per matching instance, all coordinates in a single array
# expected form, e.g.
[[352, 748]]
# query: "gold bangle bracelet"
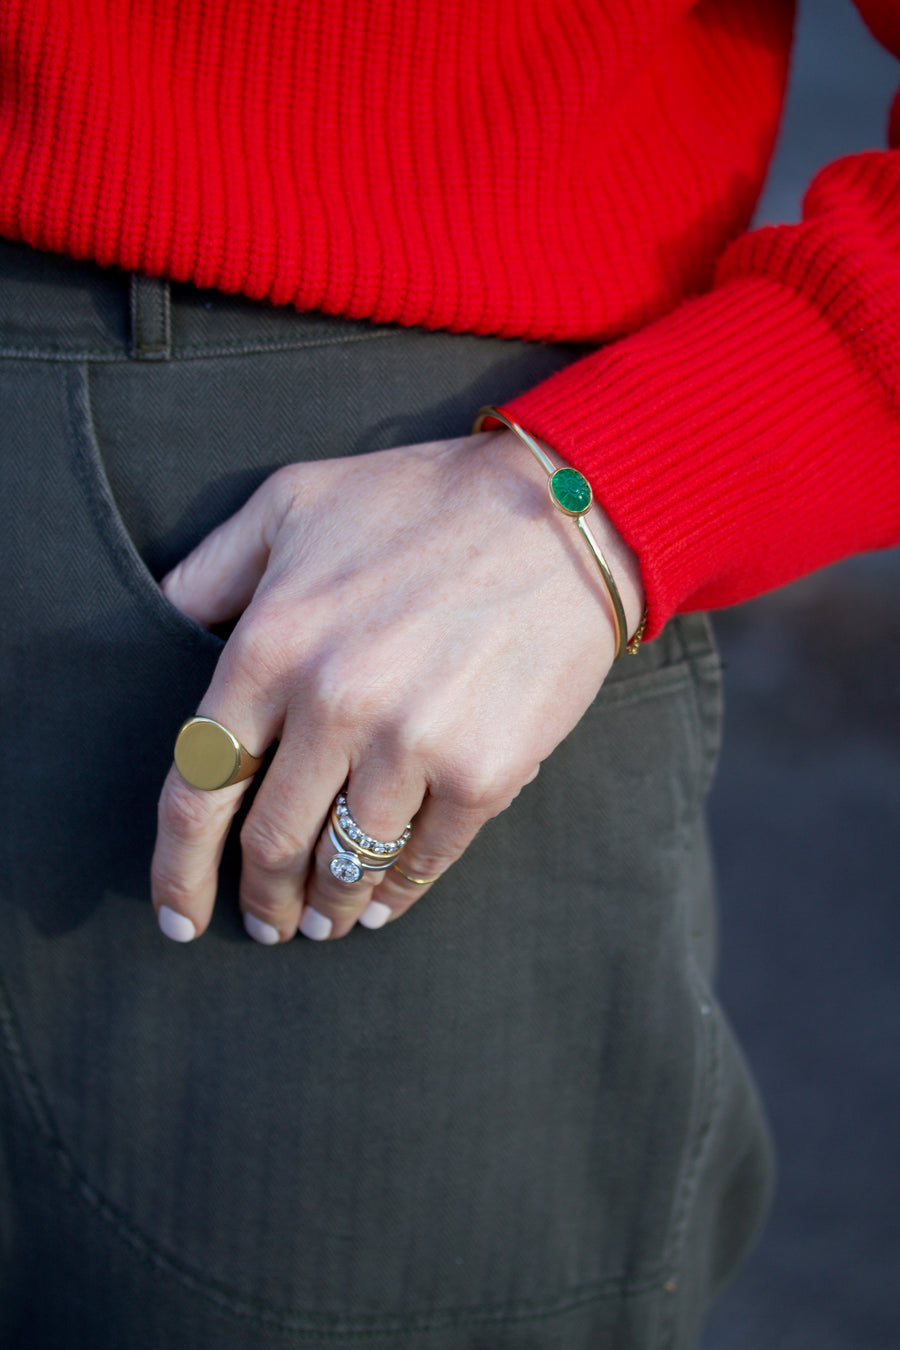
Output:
[[571, 493]]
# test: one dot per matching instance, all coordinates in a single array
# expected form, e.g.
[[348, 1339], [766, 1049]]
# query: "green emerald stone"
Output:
[[571, 491]]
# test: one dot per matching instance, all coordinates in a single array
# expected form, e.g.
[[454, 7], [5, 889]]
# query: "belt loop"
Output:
[[151, 318]]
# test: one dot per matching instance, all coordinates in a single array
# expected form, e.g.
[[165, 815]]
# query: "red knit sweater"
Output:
[[550, 169]]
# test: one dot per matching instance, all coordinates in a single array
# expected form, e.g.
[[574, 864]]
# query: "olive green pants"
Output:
[[514, 1119]]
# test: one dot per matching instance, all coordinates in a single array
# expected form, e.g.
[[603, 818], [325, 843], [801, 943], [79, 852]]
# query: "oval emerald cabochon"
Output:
[[571, 491]]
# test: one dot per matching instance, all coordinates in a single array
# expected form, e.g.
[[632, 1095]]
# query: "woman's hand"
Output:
[[420, 623]]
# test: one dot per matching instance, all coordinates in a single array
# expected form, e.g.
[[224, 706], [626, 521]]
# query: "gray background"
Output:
[[806, 819]]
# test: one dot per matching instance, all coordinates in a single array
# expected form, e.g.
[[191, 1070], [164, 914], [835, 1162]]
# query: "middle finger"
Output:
[[279, 834]]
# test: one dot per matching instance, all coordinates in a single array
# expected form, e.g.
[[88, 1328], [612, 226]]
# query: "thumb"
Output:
[[217, 580]]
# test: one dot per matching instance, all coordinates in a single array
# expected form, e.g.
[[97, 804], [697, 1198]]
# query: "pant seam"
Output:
[[708, 1106], [191, 352], [321, 1325], [89, 474]]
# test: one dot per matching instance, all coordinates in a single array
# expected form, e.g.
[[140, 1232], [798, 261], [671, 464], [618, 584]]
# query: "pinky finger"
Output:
[[441, 834], [380, 911]]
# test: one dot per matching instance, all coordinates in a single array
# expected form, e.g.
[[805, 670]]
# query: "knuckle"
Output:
[[425, 866], [419, 736], [344, 694], [433, 862], [170, 889], [284, 483], [270, 909], [183, 812], [262, 648], [339, 909], [479, 788], [269, 848], [378, 818]]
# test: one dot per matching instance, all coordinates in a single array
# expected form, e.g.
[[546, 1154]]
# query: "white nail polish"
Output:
[[375, 915], [178, 927], [314, 925], [261, 931]]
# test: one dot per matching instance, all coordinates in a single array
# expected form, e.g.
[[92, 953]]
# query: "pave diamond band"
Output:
[[356, 838], [355, 851]]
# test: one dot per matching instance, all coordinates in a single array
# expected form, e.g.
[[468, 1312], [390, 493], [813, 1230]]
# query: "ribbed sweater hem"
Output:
[[722, 462]]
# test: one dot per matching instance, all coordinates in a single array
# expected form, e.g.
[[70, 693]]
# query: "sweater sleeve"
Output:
[[753, 434]]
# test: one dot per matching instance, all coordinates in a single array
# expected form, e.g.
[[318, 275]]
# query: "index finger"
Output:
[[194, 817], [192, 826]]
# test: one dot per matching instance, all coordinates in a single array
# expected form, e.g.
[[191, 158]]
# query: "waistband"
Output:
[[54, 308], [59, 309]]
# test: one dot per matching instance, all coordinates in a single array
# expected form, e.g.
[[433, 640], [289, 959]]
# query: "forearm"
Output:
[[752, 435]]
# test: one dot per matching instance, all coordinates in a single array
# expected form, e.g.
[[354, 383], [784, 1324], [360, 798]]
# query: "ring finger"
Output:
[[354, 852]]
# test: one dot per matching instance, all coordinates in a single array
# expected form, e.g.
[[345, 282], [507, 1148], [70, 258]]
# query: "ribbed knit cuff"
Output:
[[735, 445]]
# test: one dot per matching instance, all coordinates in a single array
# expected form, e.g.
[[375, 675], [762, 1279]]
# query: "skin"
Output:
[[420, 622]]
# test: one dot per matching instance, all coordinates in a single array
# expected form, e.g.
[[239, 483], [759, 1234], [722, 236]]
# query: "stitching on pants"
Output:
[[193, 352], [151, 326], [320, 1325], [196, 351], [21, 1068], [48, 354], [664, 680], [710, 1094], [91, 479]]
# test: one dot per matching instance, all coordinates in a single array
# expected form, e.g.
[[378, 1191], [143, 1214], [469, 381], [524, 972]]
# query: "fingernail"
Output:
[[314, 925], [375, 915], [178, 927], [261, 931]]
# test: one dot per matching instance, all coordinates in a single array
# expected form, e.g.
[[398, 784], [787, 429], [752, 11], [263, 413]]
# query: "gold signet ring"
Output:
[[208, 756]]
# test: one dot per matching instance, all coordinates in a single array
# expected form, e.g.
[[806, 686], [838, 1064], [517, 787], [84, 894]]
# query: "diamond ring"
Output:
[[348, 864], [355, 851], [355, 838], [344, 866]]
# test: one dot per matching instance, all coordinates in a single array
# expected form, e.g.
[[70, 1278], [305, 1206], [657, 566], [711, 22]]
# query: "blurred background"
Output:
[[806, 822]]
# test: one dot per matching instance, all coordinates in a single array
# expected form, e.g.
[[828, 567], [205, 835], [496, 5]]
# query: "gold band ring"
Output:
[[209, 756], [417, 881]]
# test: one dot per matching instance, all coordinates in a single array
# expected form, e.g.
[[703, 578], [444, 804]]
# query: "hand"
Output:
[[419, 623]]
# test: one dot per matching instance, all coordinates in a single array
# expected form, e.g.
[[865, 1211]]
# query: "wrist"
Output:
[[571, 495]]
